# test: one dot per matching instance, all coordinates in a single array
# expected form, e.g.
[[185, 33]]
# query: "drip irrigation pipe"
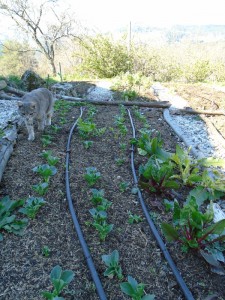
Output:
[[182, 284], [83, 243]]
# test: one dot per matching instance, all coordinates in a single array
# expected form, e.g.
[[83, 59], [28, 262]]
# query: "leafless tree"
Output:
[[43, 23]]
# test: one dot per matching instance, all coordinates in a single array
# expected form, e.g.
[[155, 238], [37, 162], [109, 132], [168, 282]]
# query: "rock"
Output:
[[31, 80], [65, 89], [3, 84]]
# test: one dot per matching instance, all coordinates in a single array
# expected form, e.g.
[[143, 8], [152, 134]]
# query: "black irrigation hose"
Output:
[[83, 243], [154, 230]]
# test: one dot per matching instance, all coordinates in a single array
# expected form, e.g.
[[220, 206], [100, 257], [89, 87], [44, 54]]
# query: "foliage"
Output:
[[30, 20], [148, 145], [46, 153], [92, 175], [8, 221], [123, 186], [45, 171], [46, 251], [140, 116], [130, 82], [103, 57], [40, 188], [32, 206], [123, 146], [103, 229], [101, 203], [214, 182], [46, 140], [98, 199], [197, 72], [100, 223], [120, 161], [52, 160], [135, 290], [87, 144], [86, 128], [189, 173], [15, 60], [192, 228], [129, 95], [156, 176], [133, 218], [112, 262], [60, 279], [98, 216]]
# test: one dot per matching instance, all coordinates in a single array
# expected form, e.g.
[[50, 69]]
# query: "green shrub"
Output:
[[103, 57]]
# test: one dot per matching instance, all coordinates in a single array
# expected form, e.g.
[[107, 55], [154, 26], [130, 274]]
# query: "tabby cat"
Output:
[[37, 104]]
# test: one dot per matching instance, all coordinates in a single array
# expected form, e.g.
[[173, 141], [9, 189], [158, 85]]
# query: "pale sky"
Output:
[[103, 13], [108, 15]]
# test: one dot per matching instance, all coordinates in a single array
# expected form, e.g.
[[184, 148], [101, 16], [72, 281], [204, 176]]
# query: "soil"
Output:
[[201, 96], [25, 270]]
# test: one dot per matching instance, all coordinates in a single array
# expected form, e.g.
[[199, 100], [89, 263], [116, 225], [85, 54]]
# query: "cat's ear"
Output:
[[33, 105], [20, 103]]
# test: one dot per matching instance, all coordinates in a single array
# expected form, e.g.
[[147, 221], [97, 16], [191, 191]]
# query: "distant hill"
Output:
[[180, 33]]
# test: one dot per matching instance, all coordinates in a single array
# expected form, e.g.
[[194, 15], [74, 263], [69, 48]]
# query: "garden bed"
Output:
[[25, 269]]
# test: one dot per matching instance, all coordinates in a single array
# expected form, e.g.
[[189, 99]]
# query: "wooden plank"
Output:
[[152, 104]]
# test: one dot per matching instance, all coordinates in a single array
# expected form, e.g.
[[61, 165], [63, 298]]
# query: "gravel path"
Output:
[[191, 127]]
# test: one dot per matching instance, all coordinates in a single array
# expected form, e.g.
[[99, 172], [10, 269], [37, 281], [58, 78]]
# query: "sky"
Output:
[[104, 15], [110, 14]]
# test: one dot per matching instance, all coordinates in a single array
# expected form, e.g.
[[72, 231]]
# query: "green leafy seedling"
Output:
[[46, 251], [100, 131], [8, 221], [189, 172], [103, 229], [46, 140], [98, 216], [135, 290], [46, 153], [86, 128], [147, 145], [41, 188], [60, 279], [123, 146], [105, 204], [87, 144], [97, 196], [92, 175], [112, 262], [55, 128], [123, 186], [52, 160], [134, 218], [194, 229], [157, 176], [45, 171], [129, 95], [120, 161], [32, 206]]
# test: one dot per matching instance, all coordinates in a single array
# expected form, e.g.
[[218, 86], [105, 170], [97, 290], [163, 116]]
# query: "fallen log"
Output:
[[197, 111], [12, 90], [5, 96], [152, 104], [6, 149]]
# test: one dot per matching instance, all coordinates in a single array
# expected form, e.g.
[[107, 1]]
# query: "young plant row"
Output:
[[29, 207], [99, 214], [192, 226]]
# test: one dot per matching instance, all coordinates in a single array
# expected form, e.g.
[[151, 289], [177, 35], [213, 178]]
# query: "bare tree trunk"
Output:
[[54, 72]]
